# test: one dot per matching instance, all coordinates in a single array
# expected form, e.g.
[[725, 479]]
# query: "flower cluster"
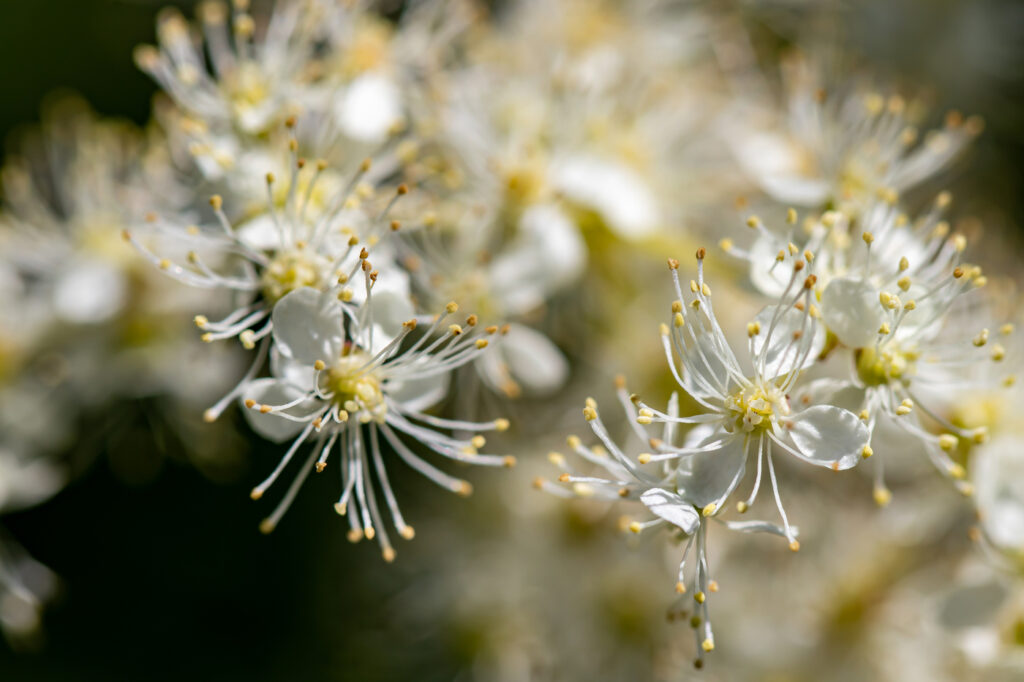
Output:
[[371, 234]]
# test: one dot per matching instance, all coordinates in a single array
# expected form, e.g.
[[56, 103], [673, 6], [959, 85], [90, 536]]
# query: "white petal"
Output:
[[852, 312], [371, 106], [275, 392], [27, 481], [260, 233], [418, 394], [705, 360], [672, 508], [89, 292], [829, 436], [612, 189], [307, 326], [762, 527], [781, 351], [998, 475], [390, 309], [710, 477], [770, 281], [534, 362], [829, 391]]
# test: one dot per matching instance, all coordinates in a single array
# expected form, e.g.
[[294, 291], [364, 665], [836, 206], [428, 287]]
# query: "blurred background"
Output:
[[163, 573]]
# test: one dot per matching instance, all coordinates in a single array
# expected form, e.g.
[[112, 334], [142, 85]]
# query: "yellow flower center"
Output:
[[880, 366], [755, 406], [354, 388], [291, 270]]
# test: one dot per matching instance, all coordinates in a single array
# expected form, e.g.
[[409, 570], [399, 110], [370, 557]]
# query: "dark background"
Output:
[[169, 578]]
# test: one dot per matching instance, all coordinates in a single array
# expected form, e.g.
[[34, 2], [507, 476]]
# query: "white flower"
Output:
[[829, 141], [509, 279], [745, 411], [899, 302], [345, 377], [307, 239]]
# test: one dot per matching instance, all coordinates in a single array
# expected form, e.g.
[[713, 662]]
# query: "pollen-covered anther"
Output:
[[590, 414], [250, 403], [884, 329], [957, 471], [753, 329], [726, 245], [699, 596], [265, 409], [742, 507], [866, 451], [355, 535], [905, 407], [701, 253], [948, 441], [753, 222], [980, 435], [998, 352], [981, 339], [798, 266], [509, 461], [248, 339], [868, 238], [794, 546], [709, 509], [958, 272], [454, 329], [707, 645], [635, 527], [673, 264], [959, 242], [680, 588], [644, 457], [780, 256], [810, 281], [216, 201], [904, 264], [791, 216], [883, 496]]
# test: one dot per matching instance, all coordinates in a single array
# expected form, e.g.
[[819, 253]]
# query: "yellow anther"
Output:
[[910, 305], [904, 264], [200, 321], [699, 597], [481, 344], [753, 221], [753, 329], [948, 441], [573, 442], [981, 339], [903, 283], [866, 451], [864, 415], [680, 588], [590, 414], [791, 216], [693, 286], [678, 320], [980, 435], [677, 306], [959, 242], [905, 407], [478, 441], [635, 527], [451, 307], [346, 294], [713, 586], [885, 298], [808, 255], [882, 496], [663, 329], [707, 645], [780, 256], [454, 329], [884, 329], [726, 245], [793, 249], [742, 507], [868, 238], [998, 352], [958, 472], [705, 289], [794, 546], [708, 509], [644, 457], [1006, 329]]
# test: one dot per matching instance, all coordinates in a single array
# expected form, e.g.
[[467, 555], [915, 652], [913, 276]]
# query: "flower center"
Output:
[[291, 270], [879, 366], [756, 407], [354, 389]]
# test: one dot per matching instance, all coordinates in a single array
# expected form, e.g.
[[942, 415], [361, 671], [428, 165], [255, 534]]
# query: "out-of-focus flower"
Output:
[[824, 142], [344, 376]]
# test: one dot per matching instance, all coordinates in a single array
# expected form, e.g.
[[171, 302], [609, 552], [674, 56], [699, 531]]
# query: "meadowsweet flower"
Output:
[[344, 378], [897, 298], [311, 240], [826, 142], [745, 412]]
